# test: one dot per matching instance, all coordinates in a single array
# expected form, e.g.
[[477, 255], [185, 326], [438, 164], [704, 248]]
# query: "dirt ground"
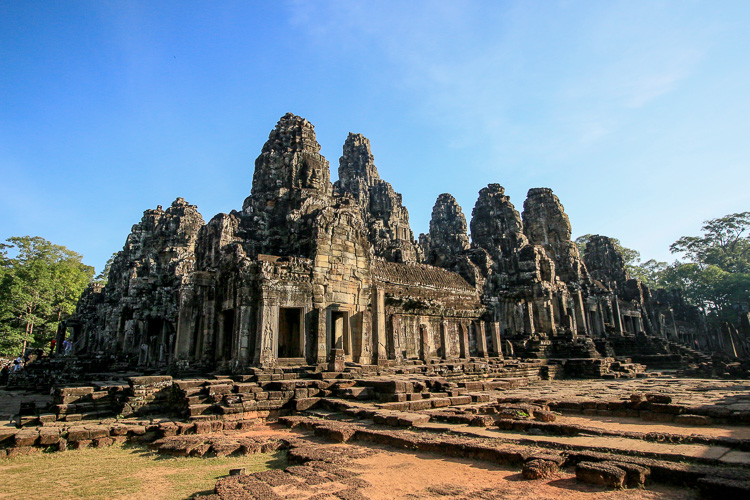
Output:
[[395, 475]]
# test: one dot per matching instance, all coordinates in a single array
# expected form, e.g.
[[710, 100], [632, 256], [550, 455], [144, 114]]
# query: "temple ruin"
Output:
[[313, 317], [314, 273]]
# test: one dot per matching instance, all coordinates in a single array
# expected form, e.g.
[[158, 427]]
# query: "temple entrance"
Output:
[[340, 332], [152, 350], [290, 332]]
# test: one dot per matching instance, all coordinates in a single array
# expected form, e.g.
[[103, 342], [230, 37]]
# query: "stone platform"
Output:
[[652, 432]]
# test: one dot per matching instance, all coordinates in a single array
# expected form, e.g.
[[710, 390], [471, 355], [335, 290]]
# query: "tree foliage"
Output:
[[40, 284], [103, 276], [716, 275], [725, 243]]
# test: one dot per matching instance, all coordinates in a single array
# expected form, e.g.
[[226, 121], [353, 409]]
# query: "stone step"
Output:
[[200, 409]]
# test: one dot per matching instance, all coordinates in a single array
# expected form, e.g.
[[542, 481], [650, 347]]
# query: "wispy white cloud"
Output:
[[471, 66]]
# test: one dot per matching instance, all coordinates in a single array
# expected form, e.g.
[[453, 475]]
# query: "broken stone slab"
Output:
[[600, 473], [659, 398], [539, 469], [635, 475], [544, 416]]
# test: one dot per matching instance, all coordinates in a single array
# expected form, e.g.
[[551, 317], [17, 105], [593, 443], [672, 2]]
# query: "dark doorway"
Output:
[[290, 332], [155, 338], [228, 334]]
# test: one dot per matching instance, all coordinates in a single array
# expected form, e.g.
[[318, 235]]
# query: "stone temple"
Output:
[[327, 275]]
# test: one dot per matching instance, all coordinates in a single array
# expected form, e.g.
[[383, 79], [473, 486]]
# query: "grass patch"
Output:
[[121, 471]]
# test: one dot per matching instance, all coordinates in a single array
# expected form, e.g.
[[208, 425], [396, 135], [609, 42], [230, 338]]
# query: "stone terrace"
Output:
[[648, 431]]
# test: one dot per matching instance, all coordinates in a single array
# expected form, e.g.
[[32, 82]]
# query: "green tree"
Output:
[[650, 272], [41, 284], [717, 274], [103, 276], [725, 243]]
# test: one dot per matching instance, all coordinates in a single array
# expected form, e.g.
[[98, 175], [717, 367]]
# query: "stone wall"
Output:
[[311, 273]]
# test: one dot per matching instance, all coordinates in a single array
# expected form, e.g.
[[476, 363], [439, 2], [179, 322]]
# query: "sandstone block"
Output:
[[604, 474]]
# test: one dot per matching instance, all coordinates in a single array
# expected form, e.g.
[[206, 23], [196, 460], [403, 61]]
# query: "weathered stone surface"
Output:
[[604, 261], [601, 473], [311, 273], [447, 238], [382, 207], [545, 223], [539, 469]]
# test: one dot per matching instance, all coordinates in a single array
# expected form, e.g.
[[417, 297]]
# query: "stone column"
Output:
[[396, 350], [185, 328], [244, 334], [267, 346], [528, 318], [481, 339], [425, 344], [497, 349], [321, 349], [579, 311], [379, 316], [617, 315], [463, 337]]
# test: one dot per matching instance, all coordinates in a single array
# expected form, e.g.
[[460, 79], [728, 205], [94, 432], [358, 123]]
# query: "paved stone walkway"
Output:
[[731, 394]]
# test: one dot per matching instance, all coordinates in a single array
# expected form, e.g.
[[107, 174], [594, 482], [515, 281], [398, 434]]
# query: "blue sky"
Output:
[[636, 113]]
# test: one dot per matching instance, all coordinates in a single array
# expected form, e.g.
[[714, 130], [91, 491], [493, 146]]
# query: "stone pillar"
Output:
[[463, 338], [185, 330], [579, 311], [550, 317], [528, 318], [266, 344], [379, 316], [320, 351], [244, 334], [396, 350], [444, 338], [616, 314], [638, 324], [481, 339], [425, 347], [497, 349], [673, 332], [727, 341]]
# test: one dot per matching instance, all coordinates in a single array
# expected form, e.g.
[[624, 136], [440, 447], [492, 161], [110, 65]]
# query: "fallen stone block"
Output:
[[659, 398], [49, 436], [635, 475], [335, 431], [482, 421], [412, 419], [102, 442], [78, 433], [544, 416], [539, 469], [27, 437], [600, 473]]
